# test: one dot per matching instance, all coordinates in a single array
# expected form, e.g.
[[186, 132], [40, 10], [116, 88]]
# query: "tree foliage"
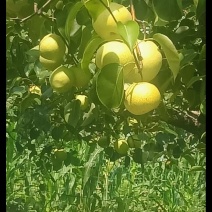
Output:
[[40, 120]]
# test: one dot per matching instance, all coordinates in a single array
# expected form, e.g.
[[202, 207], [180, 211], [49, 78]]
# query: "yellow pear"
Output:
[[105, 25]]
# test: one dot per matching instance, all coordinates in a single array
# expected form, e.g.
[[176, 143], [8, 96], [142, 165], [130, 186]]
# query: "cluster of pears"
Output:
[[62, 79], [121, 145], [141, 96]]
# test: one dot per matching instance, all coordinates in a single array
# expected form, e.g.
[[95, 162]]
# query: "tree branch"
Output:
[[192, 121], [36, 11]]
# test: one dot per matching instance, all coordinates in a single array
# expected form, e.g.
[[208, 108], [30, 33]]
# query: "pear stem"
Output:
[[138, 62]]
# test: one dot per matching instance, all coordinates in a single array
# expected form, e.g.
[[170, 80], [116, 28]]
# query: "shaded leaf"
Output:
[[202, 53], [61, 16], [190, 159], [193, 80], [57, 132], [187, 72], [110, 85], [160, 22], [90, 116], [72, 113], [187, 56], [9, 149], [201, 8], [141, 6], [70, 21], [168, 10], [86, 37], [29, 100]]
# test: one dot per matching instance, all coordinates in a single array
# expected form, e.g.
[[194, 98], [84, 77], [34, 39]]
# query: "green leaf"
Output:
[[187, 56], [142, 5], [201, 146], [28, 101], [159, 22], [70, 21], [168, 130], [9, 149], [86, 37], [202, 90], [19, 90], [177, 151], [90, 116], [72, 113], [187, 72], [110, 85], [129, 32], [34, 51], [89, 51], [95, 7], [191, 96], [57, 132], [61, 17], [202, 55], [201, 8], [197, 168], [168, 10], [190, 159], [193, 80], [203, 107], [170, 51], [93, 160], [121, 204]]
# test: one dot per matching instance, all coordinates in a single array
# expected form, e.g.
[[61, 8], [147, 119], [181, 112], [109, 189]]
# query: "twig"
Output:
[[138, 62], [36, 12], [108, 8], [132, 10]]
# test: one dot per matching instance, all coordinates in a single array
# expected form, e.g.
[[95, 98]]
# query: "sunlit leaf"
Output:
[[129, 32], [203, 107], [89, 51], [170, 51], [197, 168]]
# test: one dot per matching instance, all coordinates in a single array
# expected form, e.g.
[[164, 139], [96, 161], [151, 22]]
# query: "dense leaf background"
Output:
[[167, 172]]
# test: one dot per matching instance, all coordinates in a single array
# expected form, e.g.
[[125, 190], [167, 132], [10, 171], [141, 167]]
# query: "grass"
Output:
[[98, 185]]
